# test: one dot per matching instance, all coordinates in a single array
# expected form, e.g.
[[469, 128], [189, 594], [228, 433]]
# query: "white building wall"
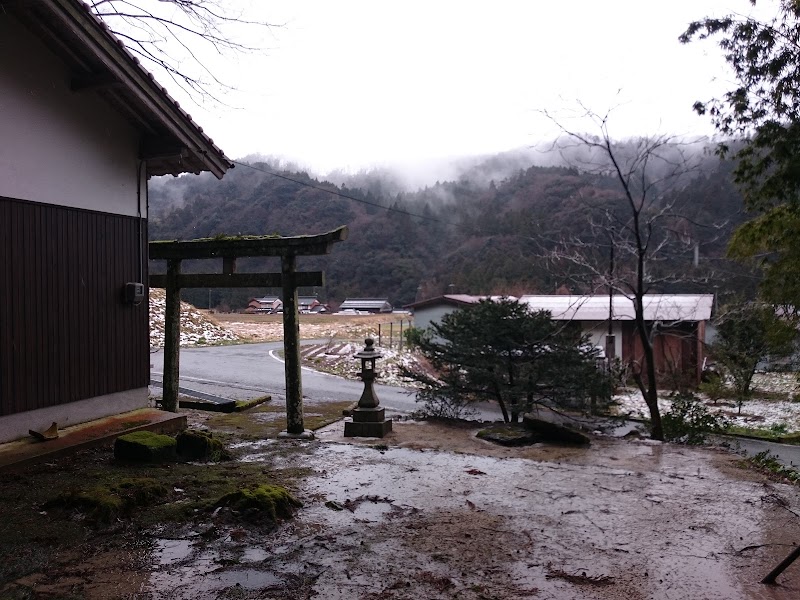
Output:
[[598, 331], [423, 317], [16, 426], [58, 146]]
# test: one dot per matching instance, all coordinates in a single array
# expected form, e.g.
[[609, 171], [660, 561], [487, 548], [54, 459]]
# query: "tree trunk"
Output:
[[504, 410], [656, 428], [499, 397], [648, 387]]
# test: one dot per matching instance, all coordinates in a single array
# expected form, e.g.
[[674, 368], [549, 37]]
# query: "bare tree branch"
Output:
[[173, 35]]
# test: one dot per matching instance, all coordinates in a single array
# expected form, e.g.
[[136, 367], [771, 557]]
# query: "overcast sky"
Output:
[[350, 84]]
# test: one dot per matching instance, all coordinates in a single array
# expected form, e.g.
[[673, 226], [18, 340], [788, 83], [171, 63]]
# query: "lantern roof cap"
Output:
[[369, 351]]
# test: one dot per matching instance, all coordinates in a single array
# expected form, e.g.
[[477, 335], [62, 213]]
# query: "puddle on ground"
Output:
[[167, 552], [249, 579], [187, 572], [253, 555], [253, 445]]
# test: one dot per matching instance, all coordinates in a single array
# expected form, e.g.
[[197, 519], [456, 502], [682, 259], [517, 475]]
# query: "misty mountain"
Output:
[[485, 231]]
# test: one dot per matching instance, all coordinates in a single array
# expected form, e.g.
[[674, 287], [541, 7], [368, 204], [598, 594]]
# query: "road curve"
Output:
[[251, 370]]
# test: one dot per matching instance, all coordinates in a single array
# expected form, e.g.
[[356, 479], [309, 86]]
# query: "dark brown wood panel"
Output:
[[65, 332]]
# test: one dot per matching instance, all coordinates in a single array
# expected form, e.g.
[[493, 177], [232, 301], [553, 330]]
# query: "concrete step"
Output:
[[20, 453]]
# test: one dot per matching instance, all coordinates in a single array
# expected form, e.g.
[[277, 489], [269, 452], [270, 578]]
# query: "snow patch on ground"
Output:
[[338, 358], [197, 329], [761, 412]]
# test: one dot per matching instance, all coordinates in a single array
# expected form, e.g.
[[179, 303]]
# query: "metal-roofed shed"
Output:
[[372, 305], [657, 307]]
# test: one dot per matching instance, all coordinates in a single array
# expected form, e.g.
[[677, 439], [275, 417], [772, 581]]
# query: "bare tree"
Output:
[[638, 236], [176, 37]]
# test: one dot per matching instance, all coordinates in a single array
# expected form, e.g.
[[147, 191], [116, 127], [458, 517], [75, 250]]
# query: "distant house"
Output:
[[371, 305], [83, 126], [680, 321], [307, 304], [267, 304], [433, 309]]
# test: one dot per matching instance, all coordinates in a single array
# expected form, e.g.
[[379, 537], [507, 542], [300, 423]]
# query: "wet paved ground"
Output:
[[618, 520]]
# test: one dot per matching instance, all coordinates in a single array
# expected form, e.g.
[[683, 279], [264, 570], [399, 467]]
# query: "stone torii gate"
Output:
[[229, 249]]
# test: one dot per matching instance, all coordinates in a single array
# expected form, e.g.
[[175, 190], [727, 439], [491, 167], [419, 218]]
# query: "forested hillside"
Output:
[[472, 235]]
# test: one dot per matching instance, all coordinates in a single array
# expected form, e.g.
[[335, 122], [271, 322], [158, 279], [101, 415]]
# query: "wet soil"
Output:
[[433, 512]]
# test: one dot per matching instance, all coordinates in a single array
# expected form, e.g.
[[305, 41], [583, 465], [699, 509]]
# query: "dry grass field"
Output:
[[265, 328]]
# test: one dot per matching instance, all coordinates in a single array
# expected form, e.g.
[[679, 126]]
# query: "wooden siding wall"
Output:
[[676, 351], [65, 333]]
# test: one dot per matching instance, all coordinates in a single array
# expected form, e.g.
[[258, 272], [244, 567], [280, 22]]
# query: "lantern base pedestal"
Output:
[[367, 422]]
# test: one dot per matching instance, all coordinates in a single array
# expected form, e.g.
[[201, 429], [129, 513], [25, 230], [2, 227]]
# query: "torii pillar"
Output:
[[291, 352]]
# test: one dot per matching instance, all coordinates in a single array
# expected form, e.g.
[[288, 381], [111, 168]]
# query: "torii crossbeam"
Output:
[[229, 249]]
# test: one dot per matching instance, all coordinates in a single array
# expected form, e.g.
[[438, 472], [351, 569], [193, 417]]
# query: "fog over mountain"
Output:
[[471, 225]]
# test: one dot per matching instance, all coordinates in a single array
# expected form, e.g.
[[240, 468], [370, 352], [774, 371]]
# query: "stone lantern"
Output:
[[368, 417]]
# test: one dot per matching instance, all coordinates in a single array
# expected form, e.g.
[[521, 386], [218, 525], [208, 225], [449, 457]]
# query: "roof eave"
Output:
[[142, 85]]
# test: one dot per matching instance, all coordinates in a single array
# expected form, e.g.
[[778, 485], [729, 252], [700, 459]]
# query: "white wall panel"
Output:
[[58, 146]]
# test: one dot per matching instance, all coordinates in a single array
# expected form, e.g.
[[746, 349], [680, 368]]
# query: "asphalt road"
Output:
[[251, 370]]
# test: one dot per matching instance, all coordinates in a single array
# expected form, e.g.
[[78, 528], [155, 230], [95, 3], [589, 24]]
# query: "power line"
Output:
[[342, 195]]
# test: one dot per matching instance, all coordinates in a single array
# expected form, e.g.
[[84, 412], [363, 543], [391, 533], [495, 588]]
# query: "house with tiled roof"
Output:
[[83, 126], [308, 304], [265, 304]]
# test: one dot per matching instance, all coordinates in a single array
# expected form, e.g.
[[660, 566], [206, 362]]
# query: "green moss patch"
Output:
[[271, 501], [251, 403], [169, 496], [268, 420], [145, 446], [106, 502], [766, 462]]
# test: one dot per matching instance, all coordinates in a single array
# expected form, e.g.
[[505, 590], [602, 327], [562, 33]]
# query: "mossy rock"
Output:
[[141, 491], [554, 433], [271, 501], [105, 503], [194, 444], [97, 503], [145, 446], [508, 435]]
